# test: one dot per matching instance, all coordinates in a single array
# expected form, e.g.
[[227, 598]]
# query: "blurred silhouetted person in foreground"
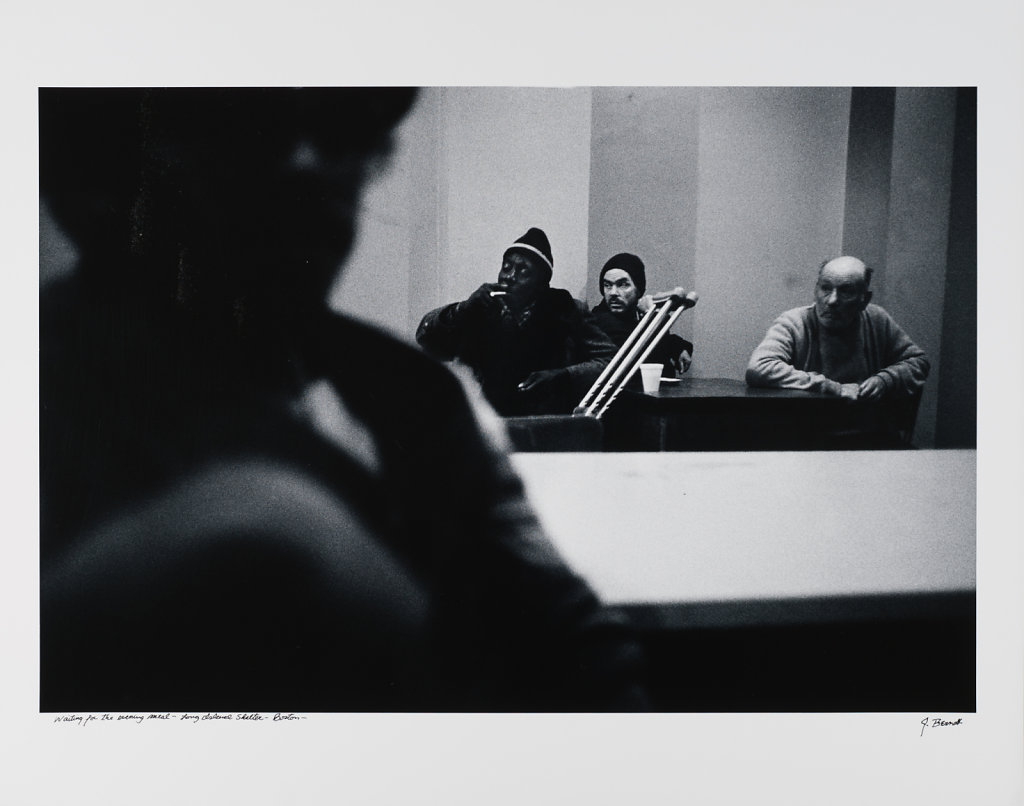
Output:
[[242, 508]]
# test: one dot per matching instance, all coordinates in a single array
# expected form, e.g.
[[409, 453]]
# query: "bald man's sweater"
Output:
[[797, 353]]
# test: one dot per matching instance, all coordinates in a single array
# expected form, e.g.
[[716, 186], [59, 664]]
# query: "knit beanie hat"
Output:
[[536, 242], [632, 265]]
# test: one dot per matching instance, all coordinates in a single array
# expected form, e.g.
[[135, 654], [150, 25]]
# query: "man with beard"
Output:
[[623, 282]]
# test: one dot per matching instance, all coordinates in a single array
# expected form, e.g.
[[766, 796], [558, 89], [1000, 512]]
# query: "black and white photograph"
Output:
[[227, 463], [602, 433]]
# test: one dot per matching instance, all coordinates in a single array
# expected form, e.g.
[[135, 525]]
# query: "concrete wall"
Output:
[[642, 205], [772, 163], [912, 284], [957, 382], [397, 236], [869, 174]]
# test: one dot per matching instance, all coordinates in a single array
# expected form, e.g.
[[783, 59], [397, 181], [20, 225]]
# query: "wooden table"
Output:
[[780, 581], [720, 414]]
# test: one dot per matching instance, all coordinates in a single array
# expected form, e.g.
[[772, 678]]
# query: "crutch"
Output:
[[645, 336]]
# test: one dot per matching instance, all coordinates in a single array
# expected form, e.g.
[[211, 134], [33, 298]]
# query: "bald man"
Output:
[[842, 344]]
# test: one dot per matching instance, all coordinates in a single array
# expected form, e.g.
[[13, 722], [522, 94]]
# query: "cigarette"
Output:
[[498, 293]]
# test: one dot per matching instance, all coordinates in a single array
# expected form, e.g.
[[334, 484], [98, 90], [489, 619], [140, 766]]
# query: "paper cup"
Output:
[[650, 374]]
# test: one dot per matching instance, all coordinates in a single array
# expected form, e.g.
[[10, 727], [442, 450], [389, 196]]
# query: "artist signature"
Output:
[[935, 722]]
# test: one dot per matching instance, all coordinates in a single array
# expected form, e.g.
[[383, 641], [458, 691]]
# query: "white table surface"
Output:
[[690, 528]]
